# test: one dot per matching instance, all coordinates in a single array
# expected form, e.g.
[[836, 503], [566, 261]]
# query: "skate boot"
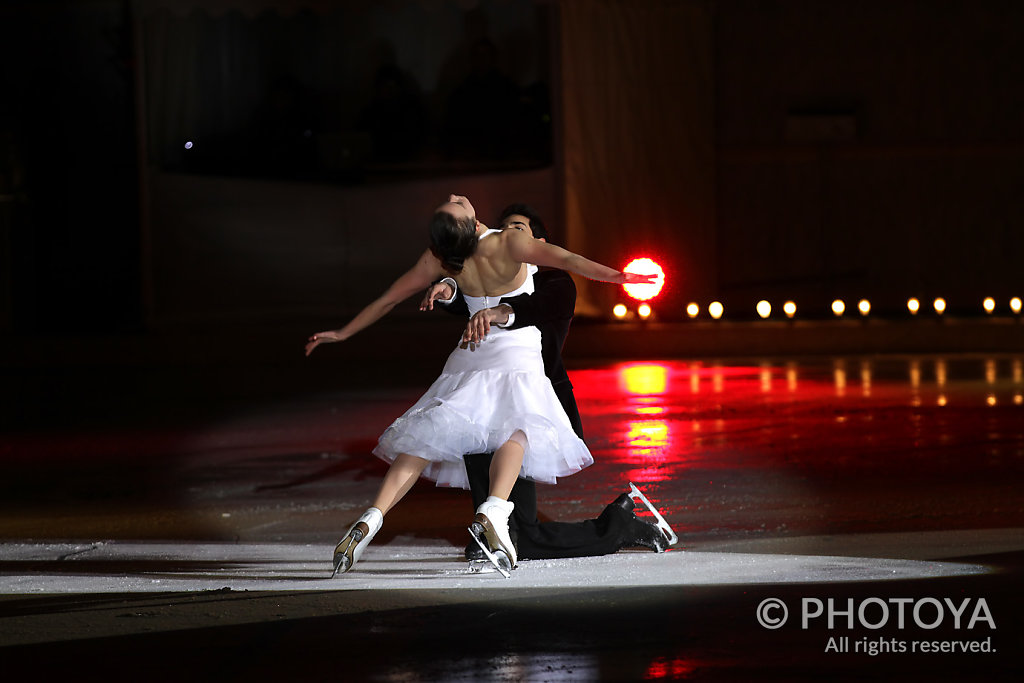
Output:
[[646, 535], [624, 502], [351, 548], [478, 562], [473, 552], [490, 531], [637, 494], [638, 532]]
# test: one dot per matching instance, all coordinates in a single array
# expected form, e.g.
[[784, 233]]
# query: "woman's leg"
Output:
[[490, 527], [506, 465], [402, 474]]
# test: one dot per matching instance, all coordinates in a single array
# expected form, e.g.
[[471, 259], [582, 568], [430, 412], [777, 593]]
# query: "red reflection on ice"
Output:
[[662, 422], [669, 668], [647, 440], [647, 444], [646, 436], [650, 410], [644, 379], [654, 474]]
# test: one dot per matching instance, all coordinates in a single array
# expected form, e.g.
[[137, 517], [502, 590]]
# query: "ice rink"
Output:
[[870, 499]]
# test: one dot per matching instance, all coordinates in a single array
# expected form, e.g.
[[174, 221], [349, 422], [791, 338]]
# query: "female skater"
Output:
[[491, 398]]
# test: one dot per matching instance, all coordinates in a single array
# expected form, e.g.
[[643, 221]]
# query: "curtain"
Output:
[[638, 142]]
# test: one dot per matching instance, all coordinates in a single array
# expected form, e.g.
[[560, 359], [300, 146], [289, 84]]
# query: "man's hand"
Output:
[[322, 338], [480, 324], [439, 291]]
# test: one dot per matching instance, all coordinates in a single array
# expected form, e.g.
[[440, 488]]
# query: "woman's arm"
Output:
[[525, 249], [427, 269]]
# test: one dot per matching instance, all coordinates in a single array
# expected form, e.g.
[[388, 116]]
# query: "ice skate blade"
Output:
[[504, 563], [344, 551], [492, 538], [341, 565], [637, 494], [477, 531]]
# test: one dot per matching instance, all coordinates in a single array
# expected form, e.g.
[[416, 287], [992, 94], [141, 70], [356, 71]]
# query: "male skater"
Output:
[[550, 308]]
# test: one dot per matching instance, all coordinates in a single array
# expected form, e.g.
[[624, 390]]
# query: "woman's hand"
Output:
[[323, 338], [440, 291], [637, 279]]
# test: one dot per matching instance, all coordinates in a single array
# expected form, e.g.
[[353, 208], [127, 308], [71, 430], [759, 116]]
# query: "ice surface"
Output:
[[403, 564]]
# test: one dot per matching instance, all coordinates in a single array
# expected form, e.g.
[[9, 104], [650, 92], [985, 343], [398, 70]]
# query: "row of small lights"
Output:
[[764, 308]]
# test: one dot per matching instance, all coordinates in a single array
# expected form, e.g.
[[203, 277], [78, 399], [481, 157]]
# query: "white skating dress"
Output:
[[481, 398]]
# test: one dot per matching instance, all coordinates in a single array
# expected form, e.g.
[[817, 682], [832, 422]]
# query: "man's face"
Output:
[[459, 207], [517, 222]]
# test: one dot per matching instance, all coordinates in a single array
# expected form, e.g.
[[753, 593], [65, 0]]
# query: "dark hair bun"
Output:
[[452, 240]]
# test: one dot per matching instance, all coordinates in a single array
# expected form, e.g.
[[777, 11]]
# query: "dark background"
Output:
[[807, 150]]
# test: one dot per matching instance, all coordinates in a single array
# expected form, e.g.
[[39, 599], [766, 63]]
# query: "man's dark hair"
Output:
[[536, 224], [453, 240]]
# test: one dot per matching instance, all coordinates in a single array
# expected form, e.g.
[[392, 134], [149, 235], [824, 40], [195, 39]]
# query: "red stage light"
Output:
[[644, 266]]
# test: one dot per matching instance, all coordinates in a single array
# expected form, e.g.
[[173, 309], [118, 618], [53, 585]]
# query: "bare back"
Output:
[[491, 271]]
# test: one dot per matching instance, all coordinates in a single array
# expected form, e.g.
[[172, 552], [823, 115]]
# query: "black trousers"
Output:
[[536, 540]]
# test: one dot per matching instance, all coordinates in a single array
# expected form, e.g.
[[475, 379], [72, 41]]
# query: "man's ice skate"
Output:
[[638, 533], [483, 566], [637, 494], [478, 562], [490, 531], [351, 548], [645, 534], [496, 560]]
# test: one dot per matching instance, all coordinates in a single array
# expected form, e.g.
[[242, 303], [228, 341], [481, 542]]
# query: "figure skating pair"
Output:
[[490, 397]]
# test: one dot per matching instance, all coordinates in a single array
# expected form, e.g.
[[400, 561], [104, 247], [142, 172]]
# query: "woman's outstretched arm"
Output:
[[413, 281], [525, 249]]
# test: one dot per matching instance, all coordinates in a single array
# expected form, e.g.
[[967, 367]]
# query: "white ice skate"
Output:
[[351, 548], [490, 531], [637, 494]]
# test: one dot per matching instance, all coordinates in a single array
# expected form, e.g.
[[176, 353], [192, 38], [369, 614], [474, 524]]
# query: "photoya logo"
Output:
[[876, 613]]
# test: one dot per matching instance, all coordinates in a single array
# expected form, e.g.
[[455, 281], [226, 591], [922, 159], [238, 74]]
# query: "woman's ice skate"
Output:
[[490, 530], [351, 548]]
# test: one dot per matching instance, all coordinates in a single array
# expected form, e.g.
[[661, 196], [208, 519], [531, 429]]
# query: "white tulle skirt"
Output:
[[481, 398]]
